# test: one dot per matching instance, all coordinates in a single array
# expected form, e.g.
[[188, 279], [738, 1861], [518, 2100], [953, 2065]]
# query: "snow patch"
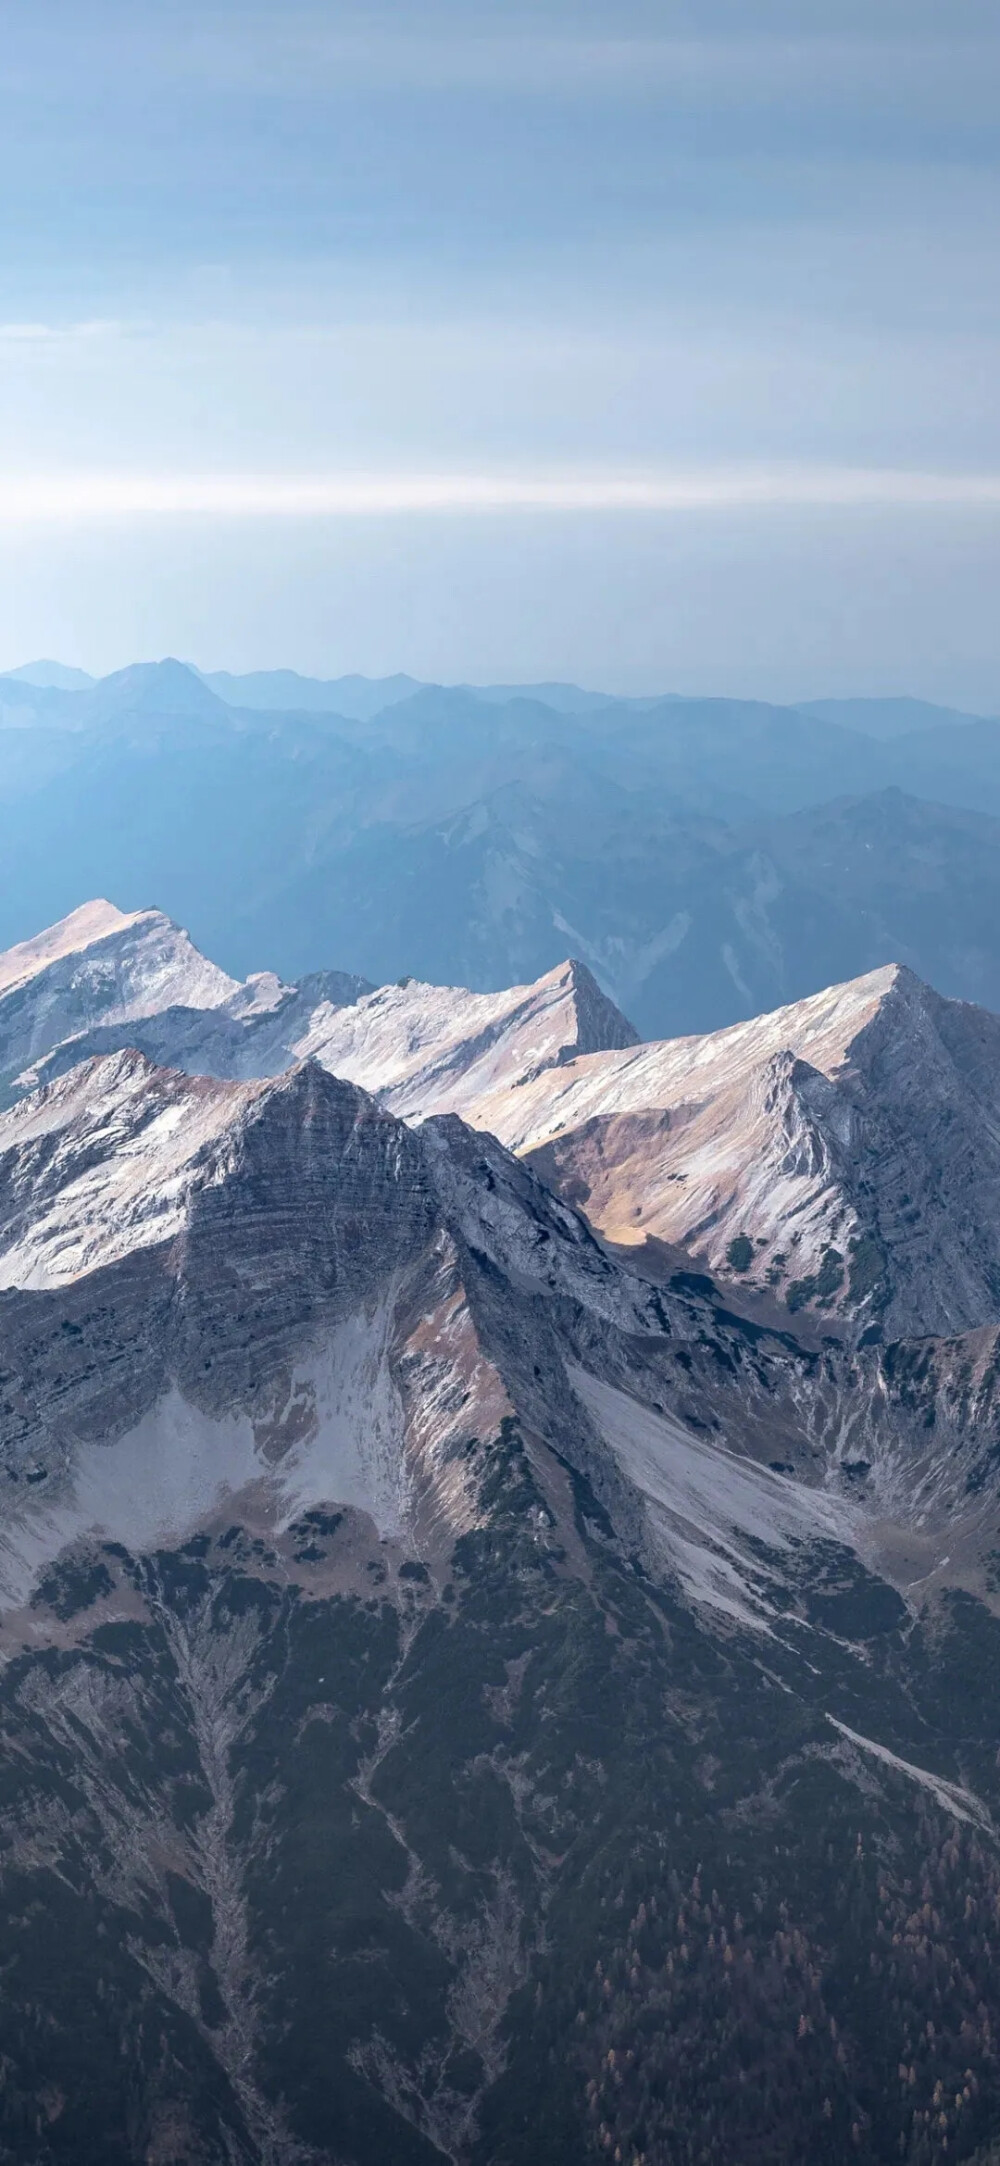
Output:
[[706, 1505], [960, 1803], [151, 1486], [354, 1449], [338, 1438]]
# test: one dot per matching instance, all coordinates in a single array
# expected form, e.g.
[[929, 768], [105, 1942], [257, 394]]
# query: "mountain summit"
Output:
[[843, 1153], [425, 1642], [468, 1692], [838, 1156], [162, 689], [100, 966]]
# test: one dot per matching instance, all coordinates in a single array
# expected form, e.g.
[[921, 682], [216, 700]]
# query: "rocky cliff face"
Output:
[[841, 1155], [469, 1693], [103, 979], [445, 1672], [838, 1157]]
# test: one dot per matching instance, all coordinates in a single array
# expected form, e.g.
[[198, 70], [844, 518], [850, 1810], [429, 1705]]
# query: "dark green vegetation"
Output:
[[822, 1284], [531, 1866]]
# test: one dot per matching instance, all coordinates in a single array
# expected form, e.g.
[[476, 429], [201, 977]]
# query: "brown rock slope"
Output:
[[844, 1151]]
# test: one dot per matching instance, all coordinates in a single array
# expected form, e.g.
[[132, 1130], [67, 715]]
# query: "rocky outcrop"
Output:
[[434, 1654], [103, 979], [842, 1154], [839, 1157], [423, 1048]]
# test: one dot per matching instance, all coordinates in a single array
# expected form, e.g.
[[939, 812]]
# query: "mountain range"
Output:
[[838, 1157], [493, 1667], [707, 859], [287, 690]]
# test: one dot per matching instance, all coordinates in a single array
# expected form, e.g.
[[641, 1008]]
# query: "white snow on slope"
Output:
[[93, 921], [102, 1163], [104, 969], [687, 1072], [130, 963], [960, 1803], [704, 1503], [337, 1438], [427, 1049]]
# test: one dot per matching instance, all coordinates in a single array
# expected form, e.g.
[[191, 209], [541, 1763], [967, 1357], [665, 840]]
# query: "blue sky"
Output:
[[651, 345]]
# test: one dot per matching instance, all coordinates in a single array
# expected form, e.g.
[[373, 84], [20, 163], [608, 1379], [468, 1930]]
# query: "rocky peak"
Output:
[[119, 1156], [156, 689], [842, 1154], [601, 1027], [422, 1634], [140, 957], [104, 969], [421, 1048], [211, 1285], [436, 1049], [93, 921]]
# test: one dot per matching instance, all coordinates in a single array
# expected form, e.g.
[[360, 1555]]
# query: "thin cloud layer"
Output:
[[321, 262], [116, 496]]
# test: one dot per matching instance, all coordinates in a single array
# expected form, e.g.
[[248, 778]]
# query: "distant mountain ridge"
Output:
[[52, 676], [285, 691], [707, 860], [361, 698], [886, 717]]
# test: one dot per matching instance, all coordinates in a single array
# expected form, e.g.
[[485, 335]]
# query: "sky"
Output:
[[654, 346]]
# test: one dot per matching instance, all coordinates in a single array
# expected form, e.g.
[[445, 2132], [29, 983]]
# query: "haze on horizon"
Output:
[[654, 348]]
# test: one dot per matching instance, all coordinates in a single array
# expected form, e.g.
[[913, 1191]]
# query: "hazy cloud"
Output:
[[732, 256], [31, 498]]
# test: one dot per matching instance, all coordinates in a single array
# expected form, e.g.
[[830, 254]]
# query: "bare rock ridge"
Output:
[[839, 1156], [279, 1286], [279, 1283], [465, 1696], [844, 1152], [422, 1047], [438, 1049], [104, 977]]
